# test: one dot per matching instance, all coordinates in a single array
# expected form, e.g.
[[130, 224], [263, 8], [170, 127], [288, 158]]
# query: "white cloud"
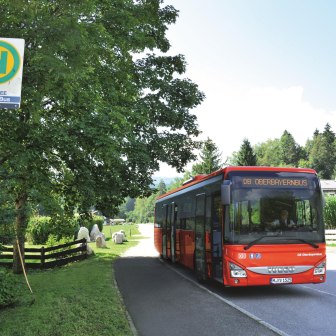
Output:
[[258, 114]]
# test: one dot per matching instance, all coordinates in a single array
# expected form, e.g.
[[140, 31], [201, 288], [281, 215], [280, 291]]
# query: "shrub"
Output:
[[38, 229], [41, 227], [53, 241], [59, 227], [63, 227], [330, 212], [7, 233], [88, 222], [99, 220], [9, 288]]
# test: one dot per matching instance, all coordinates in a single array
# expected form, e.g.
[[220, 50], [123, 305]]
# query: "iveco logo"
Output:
[[281, 269]]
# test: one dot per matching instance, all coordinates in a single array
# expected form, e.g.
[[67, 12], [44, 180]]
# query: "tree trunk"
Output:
[[20, 229]]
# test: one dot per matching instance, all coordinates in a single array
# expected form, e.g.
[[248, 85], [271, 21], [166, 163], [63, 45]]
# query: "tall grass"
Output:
[[75, 300]]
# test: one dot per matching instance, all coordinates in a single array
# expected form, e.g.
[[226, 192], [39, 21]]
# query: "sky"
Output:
[[265, 66]]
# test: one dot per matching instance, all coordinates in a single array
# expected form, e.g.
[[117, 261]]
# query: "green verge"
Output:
[[74, 300]]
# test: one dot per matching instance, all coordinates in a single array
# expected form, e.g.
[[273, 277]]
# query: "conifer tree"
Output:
[[162, 188], [210, 159], [246, 155], [289, 150], [322, 155]]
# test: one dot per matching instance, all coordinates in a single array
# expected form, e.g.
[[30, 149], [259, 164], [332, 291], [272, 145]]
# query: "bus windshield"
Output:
[[274, 208]]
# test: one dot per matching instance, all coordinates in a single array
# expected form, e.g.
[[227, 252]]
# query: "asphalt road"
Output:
[[166, 301], [295, 309], [162, 303]]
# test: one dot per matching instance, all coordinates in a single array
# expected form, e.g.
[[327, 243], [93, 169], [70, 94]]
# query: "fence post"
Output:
[[42, 257]]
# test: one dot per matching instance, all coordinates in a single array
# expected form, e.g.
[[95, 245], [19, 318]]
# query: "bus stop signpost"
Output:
[[11, 66]]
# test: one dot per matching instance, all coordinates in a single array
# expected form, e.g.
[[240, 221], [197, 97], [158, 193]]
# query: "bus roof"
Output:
[[198, 178]]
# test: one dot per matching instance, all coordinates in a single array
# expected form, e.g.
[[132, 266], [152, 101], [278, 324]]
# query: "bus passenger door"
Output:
[[172, 231], [200, 262], [217, 245], [164, 231], [168, 230], [208, 235]]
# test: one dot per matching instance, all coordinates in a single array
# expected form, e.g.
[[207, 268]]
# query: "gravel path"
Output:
[[145, 248]]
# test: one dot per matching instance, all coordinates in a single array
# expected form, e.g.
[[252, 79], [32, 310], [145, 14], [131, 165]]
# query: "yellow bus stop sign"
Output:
[[11, 60]]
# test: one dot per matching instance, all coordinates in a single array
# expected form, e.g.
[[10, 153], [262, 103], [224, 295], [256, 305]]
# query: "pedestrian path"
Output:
[[145, 247]]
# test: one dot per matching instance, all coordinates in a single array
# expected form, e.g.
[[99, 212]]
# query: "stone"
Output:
[[94, 232], [100, 241], [118, 237], [83, 233]]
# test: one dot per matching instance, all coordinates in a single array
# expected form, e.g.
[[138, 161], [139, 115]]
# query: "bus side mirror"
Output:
[[226, 193]]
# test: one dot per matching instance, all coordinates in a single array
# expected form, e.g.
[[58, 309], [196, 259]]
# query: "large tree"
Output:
[[210, 159], [96, 117], [322, 153], [268, 153]]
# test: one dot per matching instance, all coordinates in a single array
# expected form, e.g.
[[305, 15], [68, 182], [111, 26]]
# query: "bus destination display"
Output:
[[268, 182]]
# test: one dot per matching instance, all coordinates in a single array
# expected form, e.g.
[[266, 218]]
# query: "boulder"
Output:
[[94, 232], [83, 233], [100, 241], [118, 237]]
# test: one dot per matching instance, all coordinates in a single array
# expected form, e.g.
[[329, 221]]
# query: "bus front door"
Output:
[[200, 263]]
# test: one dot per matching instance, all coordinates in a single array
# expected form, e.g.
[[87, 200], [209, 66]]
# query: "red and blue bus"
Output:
[[221, 226]]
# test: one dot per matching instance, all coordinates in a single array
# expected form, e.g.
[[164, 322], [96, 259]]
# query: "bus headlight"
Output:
[[320, 268], [236, 271]]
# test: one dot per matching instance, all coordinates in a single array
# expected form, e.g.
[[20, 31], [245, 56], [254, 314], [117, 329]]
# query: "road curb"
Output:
[[128, 316]]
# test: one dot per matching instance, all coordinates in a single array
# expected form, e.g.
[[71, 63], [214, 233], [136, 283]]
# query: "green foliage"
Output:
[[126, 207], [144, 209], [7, 233], [63, 226], [319, 153], [9, 288], [7, 218], [38, 230], [330, 212], [246, 155], [88, 220], [289, 150], [69, 299], [53, 241], [97, 114], [41, 227], [162, 188], [210, 159], [268, 153], [99, 220], [322, 155]]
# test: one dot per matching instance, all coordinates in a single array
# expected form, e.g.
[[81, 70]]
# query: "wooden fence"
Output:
[[330, 236], [47, 257]]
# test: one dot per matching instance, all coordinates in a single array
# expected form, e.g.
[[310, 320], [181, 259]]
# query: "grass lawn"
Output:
[[77, 299]]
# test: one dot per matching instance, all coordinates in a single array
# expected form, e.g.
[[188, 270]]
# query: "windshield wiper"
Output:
[[303, 240], [253, 242]]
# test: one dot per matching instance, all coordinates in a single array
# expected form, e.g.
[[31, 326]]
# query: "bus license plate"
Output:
[[276, 281]]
